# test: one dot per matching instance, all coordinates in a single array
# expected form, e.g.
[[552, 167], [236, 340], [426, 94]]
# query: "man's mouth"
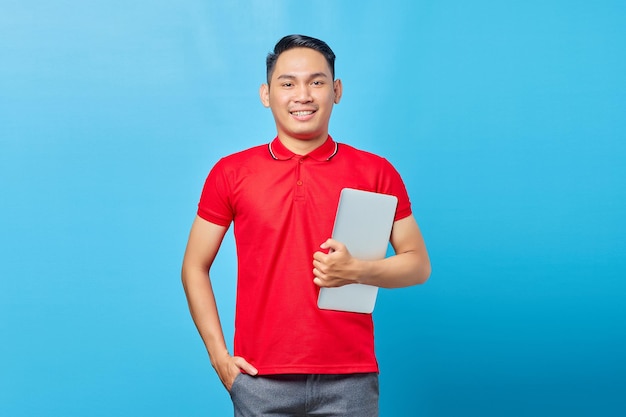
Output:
[[300, 113]]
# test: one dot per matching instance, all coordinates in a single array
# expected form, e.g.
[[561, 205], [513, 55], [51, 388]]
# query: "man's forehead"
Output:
[[301, 62]]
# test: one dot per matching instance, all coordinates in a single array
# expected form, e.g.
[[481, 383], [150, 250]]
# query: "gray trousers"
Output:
[[351, 395]]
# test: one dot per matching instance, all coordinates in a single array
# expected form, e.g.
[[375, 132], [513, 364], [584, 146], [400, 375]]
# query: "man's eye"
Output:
[[287, 84], [318, 83]]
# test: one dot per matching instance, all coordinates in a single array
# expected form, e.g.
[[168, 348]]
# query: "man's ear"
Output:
[[264, 94], [338, 88]]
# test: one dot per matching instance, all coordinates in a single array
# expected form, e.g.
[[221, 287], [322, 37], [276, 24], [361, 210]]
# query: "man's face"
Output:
[[301, 95]]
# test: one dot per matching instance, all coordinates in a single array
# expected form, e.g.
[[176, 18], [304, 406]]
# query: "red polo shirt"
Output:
[[283, 207]]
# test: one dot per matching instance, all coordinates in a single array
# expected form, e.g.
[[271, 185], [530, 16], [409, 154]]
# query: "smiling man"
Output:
[[290, 357], [301, 98]]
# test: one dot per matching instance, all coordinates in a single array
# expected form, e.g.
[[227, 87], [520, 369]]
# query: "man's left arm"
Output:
[[409, 266]]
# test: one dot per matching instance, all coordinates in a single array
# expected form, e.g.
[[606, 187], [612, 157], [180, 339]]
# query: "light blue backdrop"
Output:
[[506, 119]]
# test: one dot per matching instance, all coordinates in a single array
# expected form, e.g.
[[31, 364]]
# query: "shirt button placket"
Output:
[[299, 193]]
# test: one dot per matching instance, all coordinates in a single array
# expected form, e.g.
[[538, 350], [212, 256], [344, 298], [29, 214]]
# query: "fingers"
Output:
[[331, 282], [320, 279], [323, 279], [337, 254], [230, 366], [245, 366], [319, 266], [319, 257], [336, 250], [322, 270], [332, 269]]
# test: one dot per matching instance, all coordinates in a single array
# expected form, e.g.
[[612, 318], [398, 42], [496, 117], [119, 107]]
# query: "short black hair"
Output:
[[299, 41]]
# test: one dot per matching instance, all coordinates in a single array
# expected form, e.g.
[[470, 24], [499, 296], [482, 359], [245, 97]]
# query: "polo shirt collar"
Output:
[[325, 152]]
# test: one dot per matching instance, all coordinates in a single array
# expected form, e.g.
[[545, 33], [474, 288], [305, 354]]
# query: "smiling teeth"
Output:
[[302, 113]]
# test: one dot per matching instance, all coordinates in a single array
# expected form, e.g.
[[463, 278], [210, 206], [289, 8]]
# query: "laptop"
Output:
[[363, 223]]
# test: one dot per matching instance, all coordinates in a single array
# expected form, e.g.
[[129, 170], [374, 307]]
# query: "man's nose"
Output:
[[303, 94]]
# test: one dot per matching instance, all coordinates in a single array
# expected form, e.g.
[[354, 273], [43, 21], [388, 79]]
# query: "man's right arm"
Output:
[[204, 242]]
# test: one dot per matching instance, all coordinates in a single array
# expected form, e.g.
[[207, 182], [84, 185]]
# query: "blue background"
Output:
[[506, 120]]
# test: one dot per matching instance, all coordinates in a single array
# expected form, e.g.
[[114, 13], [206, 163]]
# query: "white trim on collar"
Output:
[[269, 147]]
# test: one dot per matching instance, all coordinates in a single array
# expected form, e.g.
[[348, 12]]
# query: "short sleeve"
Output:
[[215, 200], [393, 184]]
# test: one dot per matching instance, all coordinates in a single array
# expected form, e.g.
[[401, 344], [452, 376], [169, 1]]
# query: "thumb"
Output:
[[332, 245], [327, 244]]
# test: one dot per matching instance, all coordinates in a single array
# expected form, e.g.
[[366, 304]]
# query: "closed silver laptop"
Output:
[[363, 223]]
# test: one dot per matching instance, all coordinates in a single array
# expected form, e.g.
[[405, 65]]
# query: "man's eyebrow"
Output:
[[318, 74], [310, 76]]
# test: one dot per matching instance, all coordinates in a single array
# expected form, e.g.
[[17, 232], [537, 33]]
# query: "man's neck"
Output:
[[302, 146]]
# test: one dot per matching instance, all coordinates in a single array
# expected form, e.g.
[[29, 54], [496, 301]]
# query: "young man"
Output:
[[290, 357]]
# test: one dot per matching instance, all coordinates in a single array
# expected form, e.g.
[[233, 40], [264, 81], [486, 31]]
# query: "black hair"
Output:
[[299, 41]]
